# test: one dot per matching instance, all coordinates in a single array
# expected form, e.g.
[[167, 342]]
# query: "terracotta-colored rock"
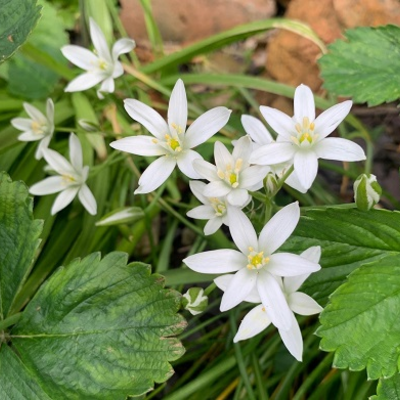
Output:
[[292, 59], [190, 20]]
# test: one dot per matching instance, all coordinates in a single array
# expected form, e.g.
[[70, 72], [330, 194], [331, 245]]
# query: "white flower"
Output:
[[302, 140], [195, 301], [260, 137], [257, 319], [215, 209], [232, 176], [101, 65], [258, 268], [171, 141], [70, 180], [37, 127]]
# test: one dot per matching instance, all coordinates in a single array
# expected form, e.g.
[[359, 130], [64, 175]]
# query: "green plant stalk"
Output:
[[283, 178], [5, 323], [262, 394]]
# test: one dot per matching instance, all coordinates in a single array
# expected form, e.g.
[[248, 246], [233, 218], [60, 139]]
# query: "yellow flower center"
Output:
[[173, 143], [305, 132], [231, 175], [218, 206], [256, 260], [68, 180], [103, 65], [38, 128]]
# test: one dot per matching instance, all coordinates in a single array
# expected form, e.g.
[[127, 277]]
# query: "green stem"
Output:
[[5, 323], [210, 289], [283, 178]]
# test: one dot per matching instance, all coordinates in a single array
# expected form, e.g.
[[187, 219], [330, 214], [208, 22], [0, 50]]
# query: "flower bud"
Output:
[[88, 126], [367, 191], [270, 183], [194, 300]]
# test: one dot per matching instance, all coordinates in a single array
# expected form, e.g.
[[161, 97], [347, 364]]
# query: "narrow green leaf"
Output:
[[349, 239], [16, 382], [100, 329], [17, 20], [388, 389], [19, 238], [360, 324], [365, 66]]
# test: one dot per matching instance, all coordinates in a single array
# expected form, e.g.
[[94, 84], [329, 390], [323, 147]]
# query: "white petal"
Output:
[[177, 109], [75, 152], [242, 149], [197, 189], [306, 167], [252, 324], [53, 184], [216, 261], [201, 212], [240, 286], [222, 156], [217, 189], [122, 46], [286, 264], [206, 170], [140, 145], [34, 113], [279, 228], [256, 129], [212, 225], [29, 136], [327, 122], [58, 163], [303, 304], [148, 117], [238, 197], [43, 145], [23, 124], [81, 57], [223, 282], [99, 41], [206, 126], [253, 176], [274, 300], [293, 181], [304, 105], [83, 82], [313, 254], [50, 111], [274, 153], [64, 199], [339, 149], [107, 85], [281, 123], [293, 340], [156, 174], [185, 163], [242, 231], [87, 199], [118, 70]]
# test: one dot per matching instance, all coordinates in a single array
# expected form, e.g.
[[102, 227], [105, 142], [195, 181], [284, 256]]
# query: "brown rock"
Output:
[[191, 20], [292, 59]]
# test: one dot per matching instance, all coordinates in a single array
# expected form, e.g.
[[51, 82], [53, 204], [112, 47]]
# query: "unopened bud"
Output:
[[270, 183], [194, 300], [88, 126], [367, 191]]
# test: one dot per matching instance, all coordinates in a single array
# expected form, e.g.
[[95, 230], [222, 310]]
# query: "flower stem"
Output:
[[282, 179], [5, 323]]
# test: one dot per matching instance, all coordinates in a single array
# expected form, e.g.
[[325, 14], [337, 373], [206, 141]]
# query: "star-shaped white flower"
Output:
[[232, 176], [172, 141], [302, 139], [70, 180], [101, 65], [215, 209], [257, 266], [37, 127], [257, 319]]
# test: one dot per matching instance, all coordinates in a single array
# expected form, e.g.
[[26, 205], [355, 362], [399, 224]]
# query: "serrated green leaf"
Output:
[[100, 329], [17, 19], [365, 66], [361, 322], [19, 238], [388, 389], [28, 78], [16, 382], [349, 239]]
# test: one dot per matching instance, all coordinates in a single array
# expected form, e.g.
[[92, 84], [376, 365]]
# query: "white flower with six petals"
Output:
[[257, 266], [101, 67], [302, 140], [70, 180], [172, 141], [37, 127]]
